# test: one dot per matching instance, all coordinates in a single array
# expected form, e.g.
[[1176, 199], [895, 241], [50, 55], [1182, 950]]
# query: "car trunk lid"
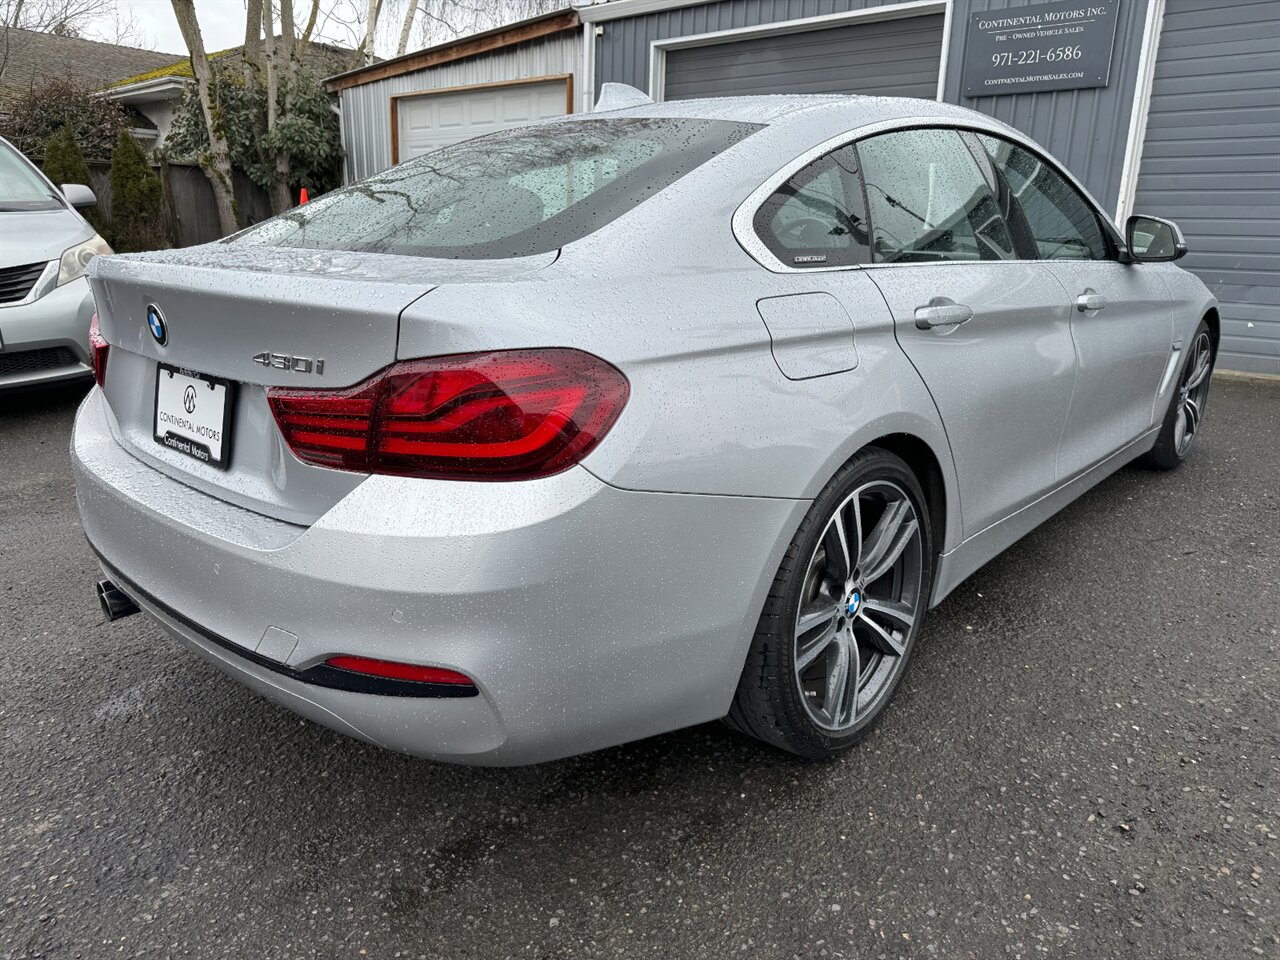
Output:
[[258, 317]]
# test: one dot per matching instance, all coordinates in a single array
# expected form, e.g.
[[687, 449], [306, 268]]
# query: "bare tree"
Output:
[[251, 62], [406, 27], [309, 30], [47, 16], [120, 26], [273, 54], [434, 21], [275, 58], [364, 51], [444, 20], [217, 164]]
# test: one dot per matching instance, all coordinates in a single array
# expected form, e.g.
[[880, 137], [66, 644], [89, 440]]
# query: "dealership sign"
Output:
[[1046, 46]]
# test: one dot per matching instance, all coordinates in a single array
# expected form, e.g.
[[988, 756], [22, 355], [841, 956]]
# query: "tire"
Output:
[[790, 694], [1186, 406]]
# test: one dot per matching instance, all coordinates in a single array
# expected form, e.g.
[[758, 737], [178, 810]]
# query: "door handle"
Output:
[[1090, 301], [942, 312]]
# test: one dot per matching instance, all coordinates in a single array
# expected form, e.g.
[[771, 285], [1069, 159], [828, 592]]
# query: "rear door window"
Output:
[[929, 201], [816, 218], [509, 194]]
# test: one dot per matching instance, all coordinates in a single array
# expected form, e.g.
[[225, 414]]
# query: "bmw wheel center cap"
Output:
[[155, 322], [855, 601]]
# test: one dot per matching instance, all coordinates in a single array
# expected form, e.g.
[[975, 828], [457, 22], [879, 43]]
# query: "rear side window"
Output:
[[509, 194], [816, 218], [1062, 222], [929, 201]]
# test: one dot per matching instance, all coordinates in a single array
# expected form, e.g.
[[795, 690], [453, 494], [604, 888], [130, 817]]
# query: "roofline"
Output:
[[101, 43], [558, 21], [617, 9], [155, 85]]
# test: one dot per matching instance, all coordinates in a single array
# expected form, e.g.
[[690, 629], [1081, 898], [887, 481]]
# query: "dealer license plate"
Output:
[[193, 414]]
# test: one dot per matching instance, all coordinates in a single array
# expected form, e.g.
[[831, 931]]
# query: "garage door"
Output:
[[893, 58], [429, 121], [1210, 162]]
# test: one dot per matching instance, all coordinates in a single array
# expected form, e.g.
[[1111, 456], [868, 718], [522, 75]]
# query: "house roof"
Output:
[[34, 58], [477, 43], [180, 70], [319, 58]]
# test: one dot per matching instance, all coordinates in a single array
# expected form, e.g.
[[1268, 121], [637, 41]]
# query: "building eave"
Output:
[[148, 91], [534, 28], [618, 9]]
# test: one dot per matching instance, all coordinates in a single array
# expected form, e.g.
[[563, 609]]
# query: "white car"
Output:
[[45, 303]]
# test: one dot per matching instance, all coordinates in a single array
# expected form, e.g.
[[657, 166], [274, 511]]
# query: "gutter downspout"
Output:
[[588, 83], [336, 106]]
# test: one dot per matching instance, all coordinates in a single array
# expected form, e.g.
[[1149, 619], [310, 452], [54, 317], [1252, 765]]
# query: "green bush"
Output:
[[42, 112], [137, 201], [64, 163]]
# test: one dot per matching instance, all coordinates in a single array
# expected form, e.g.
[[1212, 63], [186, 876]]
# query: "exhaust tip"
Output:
[[116, 604]]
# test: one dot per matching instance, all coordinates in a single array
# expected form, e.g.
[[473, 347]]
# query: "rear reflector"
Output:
[[510, 415], [99, 348], [390, 670]]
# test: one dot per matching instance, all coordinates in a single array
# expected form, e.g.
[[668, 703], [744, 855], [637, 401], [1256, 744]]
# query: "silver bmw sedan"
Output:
[[584, 431]]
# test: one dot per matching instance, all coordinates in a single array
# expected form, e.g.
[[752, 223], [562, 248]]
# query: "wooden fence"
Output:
[[191, 209]]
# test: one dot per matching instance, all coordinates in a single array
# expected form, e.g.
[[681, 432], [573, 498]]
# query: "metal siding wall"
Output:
[[1211, 162], [891, 58], [1085, 129], [622, 54], [366, 110]]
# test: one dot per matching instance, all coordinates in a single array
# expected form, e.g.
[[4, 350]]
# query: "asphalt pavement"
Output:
[[1083, 761]]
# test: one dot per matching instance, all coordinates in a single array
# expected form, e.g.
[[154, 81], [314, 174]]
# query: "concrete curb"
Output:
[[1239, 377]]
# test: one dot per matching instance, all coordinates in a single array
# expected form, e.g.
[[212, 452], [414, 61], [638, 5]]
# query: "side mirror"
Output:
[[1152, 240], [78, 195]]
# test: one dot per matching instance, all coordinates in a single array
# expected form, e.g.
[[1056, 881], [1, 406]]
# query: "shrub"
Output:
[[41, 113], [137, 201], [64, 163]]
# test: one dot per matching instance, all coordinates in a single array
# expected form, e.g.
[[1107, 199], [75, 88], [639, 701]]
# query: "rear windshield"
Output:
[[509, 194]]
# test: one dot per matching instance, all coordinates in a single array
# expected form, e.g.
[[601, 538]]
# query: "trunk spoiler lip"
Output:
[[318, 264]]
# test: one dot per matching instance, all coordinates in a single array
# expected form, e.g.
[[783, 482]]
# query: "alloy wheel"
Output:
[[861, 597], [1192, 393]]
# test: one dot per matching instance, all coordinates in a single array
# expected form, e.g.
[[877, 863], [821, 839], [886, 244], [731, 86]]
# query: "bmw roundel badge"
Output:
[[155, 321]]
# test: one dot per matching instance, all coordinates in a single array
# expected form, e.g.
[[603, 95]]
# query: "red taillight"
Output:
[[391, 670], [511, 415], [98, 349]]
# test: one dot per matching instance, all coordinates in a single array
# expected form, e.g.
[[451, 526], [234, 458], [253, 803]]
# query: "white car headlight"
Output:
[[75, 259]]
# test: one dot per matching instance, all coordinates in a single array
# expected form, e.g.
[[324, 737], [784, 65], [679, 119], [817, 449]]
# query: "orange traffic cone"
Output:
[[303, 198]]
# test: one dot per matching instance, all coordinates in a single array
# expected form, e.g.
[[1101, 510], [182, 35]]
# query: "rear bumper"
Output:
[[47, 341], [587, 615]]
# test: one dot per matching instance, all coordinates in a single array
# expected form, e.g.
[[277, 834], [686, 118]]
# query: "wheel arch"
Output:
[[924, 463], [1214, 321]]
